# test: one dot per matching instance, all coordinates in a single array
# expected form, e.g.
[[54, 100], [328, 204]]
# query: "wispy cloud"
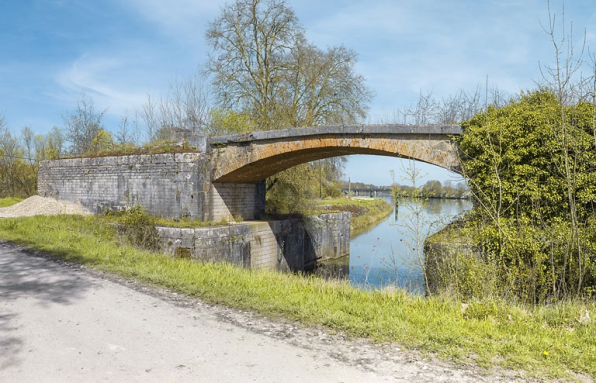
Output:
[[435, 46], [115, 82], [120, 50], [184, 20]]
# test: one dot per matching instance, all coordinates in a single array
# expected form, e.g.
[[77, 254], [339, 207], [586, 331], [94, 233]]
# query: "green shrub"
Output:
[[530, 168], [139, 227]]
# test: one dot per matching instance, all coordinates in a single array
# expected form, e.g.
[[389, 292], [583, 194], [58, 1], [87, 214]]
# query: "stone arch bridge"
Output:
[[241, 163], [254, 157], [225, 179]]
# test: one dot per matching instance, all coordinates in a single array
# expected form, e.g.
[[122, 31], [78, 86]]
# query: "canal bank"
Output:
[[392, 252], [292, 244], [429, 324]]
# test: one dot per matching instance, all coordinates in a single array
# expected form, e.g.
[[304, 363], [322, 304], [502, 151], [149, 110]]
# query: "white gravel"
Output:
[[37, 205]]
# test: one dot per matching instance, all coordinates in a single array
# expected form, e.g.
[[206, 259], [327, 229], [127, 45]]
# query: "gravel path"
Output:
[[62, 322]]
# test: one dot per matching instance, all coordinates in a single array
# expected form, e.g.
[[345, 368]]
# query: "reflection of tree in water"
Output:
[[433, 206]]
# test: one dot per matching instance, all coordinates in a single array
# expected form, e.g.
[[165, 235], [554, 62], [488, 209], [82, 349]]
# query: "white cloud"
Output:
[[108, 80], [182, 19]]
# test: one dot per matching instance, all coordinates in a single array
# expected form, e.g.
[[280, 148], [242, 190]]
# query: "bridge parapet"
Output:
[[253, 157], [297, 133]]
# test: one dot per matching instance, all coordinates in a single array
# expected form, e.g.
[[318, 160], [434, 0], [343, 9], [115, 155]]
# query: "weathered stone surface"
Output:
[[163, 184], [292, 244], [230, 201], [253, 157], [226, 180]]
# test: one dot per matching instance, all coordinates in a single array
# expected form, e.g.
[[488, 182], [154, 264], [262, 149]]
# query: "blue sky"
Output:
[[118, 51]]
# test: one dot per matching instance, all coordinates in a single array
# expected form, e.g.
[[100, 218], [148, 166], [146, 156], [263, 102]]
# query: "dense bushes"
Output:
[[138, 227], [531, 168]]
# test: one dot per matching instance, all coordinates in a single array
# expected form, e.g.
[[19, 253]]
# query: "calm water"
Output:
[[391, 253]]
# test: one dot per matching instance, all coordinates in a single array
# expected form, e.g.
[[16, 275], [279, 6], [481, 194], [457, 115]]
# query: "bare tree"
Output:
[[151, 118], [559, 78], [320, 87], [263, 65], [185, 107], [426, 109], [83, 125], [11, 155], [251, 42], [128, 129], [55, 145], [123, 133]]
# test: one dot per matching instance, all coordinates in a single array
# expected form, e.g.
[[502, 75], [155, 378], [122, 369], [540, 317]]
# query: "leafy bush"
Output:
[[139, 227], [514, 158], [531, 168]]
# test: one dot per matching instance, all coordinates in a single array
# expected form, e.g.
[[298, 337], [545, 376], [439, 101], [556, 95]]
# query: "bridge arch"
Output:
[[251, 158]]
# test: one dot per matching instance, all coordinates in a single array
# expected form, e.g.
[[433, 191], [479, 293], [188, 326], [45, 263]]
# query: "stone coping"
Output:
[[429, 129]]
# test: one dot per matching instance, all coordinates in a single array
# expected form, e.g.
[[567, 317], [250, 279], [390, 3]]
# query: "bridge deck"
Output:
[[397, 129]]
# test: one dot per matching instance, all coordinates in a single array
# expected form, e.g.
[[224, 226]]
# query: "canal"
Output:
[[391, 253]]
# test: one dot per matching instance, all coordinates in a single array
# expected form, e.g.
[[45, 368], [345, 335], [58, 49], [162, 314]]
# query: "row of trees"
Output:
[[432, 189], [20, 155]]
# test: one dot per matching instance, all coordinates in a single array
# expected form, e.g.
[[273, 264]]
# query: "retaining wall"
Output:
[[230, 201], [291, 244], [170, 185]]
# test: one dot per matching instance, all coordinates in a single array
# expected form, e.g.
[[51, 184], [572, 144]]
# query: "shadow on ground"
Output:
[[27, 278]]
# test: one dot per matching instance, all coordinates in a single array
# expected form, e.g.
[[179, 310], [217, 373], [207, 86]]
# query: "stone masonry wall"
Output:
[[290, 244], [229, 201], [170, 185]]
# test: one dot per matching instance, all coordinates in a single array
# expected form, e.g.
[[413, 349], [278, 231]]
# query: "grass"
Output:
[[366, 212], [182, 223], [546, 341], [9, 201], [160, 147]]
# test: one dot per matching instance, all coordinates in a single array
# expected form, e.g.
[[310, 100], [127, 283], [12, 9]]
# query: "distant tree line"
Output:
[[20, 154], [433, 189]]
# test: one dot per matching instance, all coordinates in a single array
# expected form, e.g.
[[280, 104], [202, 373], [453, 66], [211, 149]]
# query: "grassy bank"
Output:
[[366, 212], [547, 341], [9, 201]]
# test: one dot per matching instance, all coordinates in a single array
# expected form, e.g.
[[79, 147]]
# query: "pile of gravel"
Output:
[[37, 205]]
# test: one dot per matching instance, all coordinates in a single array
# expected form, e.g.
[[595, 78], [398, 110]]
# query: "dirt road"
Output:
[[60, 322]]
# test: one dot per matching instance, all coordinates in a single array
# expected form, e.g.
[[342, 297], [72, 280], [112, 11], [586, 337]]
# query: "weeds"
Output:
[[139, 227]]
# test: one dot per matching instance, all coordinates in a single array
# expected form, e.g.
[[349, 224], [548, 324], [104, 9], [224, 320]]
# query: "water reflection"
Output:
[[391, 252]]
